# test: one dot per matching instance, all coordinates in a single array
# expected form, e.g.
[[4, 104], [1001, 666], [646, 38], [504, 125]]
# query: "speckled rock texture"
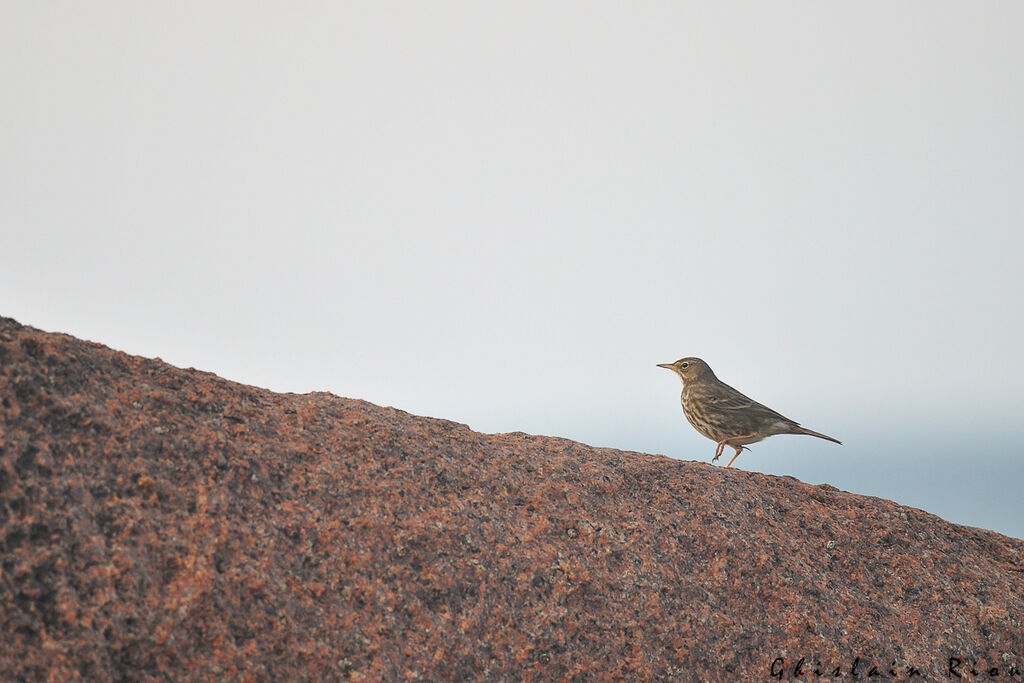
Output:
[[166, 524]]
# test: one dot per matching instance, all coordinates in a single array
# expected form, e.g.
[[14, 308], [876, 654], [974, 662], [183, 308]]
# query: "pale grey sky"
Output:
[[506, 216]]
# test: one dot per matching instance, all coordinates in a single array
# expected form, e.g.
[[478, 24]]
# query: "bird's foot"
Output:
[[739, 449], [718, 451]]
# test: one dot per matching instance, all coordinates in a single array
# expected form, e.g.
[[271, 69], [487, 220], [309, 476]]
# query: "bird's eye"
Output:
[[685, 365]]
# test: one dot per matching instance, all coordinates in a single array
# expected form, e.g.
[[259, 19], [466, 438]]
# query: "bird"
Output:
[[726, 416]]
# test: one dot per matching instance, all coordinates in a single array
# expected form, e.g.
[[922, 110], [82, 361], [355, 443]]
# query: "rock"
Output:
[[166, 523]]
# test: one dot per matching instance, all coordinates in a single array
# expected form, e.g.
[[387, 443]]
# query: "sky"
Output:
[[507, 215]]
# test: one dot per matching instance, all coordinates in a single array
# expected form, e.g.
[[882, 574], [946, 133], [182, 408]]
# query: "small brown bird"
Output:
[[723, 414]]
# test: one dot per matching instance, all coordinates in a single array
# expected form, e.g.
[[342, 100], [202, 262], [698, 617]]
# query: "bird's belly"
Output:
[[707, 429], [717, 425], [706, 422], [748, 440]]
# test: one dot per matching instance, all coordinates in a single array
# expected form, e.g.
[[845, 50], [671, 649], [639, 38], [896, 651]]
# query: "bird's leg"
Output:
[[728, 442], [718, 451]]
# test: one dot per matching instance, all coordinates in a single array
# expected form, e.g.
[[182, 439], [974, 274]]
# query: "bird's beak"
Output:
[[667, 366]]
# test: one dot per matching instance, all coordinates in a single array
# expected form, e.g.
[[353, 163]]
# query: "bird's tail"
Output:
[[803, 430]]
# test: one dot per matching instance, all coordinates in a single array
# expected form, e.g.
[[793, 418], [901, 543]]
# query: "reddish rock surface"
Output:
[[166, 524]]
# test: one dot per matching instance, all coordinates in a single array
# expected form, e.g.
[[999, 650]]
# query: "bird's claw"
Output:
[[719, 450]]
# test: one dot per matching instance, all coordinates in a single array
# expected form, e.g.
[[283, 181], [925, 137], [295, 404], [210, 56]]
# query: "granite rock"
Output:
[[166, 524]]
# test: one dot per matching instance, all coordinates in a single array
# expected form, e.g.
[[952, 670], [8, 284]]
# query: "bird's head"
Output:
[[689, 369]]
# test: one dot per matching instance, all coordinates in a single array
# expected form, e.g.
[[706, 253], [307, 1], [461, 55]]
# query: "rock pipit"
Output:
[[723, 414]]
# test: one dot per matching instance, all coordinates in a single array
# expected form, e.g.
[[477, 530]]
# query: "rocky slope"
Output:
[[166, 524]]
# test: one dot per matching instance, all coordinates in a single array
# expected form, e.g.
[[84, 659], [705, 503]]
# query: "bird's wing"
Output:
[[727, 399]]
